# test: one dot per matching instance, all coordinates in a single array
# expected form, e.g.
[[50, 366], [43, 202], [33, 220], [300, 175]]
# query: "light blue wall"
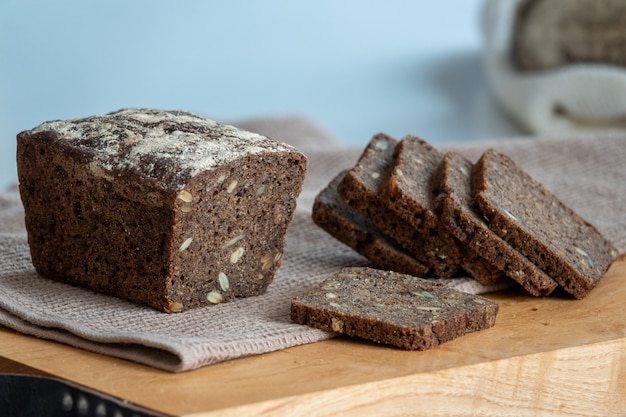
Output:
[[354, 67]]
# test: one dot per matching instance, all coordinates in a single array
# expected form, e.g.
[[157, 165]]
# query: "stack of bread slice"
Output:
[[409, 207]]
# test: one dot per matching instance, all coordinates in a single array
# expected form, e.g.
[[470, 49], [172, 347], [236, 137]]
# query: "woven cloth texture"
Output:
[[586, 172]]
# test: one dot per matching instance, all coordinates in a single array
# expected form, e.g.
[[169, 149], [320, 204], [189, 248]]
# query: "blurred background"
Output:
[[353, 67]]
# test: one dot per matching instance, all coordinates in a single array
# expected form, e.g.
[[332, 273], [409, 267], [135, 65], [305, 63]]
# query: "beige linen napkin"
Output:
[[587, 173]]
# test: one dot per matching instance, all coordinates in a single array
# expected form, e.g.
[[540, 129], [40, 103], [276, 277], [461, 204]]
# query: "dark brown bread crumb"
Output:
[[360, 189], [392, 308], [360, 186], [409, 185], [408, 192], [166, 209], [453, 185], [536, 223], [352, 229], [478, 268]]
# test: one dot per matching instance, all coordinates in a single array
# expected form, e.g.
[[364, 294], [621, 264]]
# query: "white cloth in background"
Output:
[[593, 94]]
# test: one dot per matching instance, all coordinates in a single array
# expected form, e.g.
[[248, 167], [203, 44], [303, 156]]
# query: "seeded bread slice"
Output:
[[409, 184], [408, 192], [392, 308], [360, 189], [536, 223], [349, 227], [453, 187]]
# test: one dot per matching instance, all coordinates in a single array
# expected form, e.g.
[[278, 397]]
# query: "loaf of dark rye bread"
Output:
[[163, 208], [539, 225], [454, 196], [345, 224], [392, 308]]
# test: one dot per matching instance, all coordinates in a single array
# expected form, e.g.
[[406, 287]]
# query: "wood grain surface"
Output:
[[544, 357]]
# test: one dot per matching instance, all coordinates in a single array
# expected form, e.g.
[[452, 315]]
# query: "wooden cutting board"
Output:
[[545, 356]]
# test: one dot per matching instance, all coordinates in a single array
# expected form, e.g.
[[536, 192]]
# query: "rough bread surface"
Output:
[[163, 208], [361, 190], [409, 187], [409, 193], [536, 223], [453, 185], [392, 308], [349, 227]]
